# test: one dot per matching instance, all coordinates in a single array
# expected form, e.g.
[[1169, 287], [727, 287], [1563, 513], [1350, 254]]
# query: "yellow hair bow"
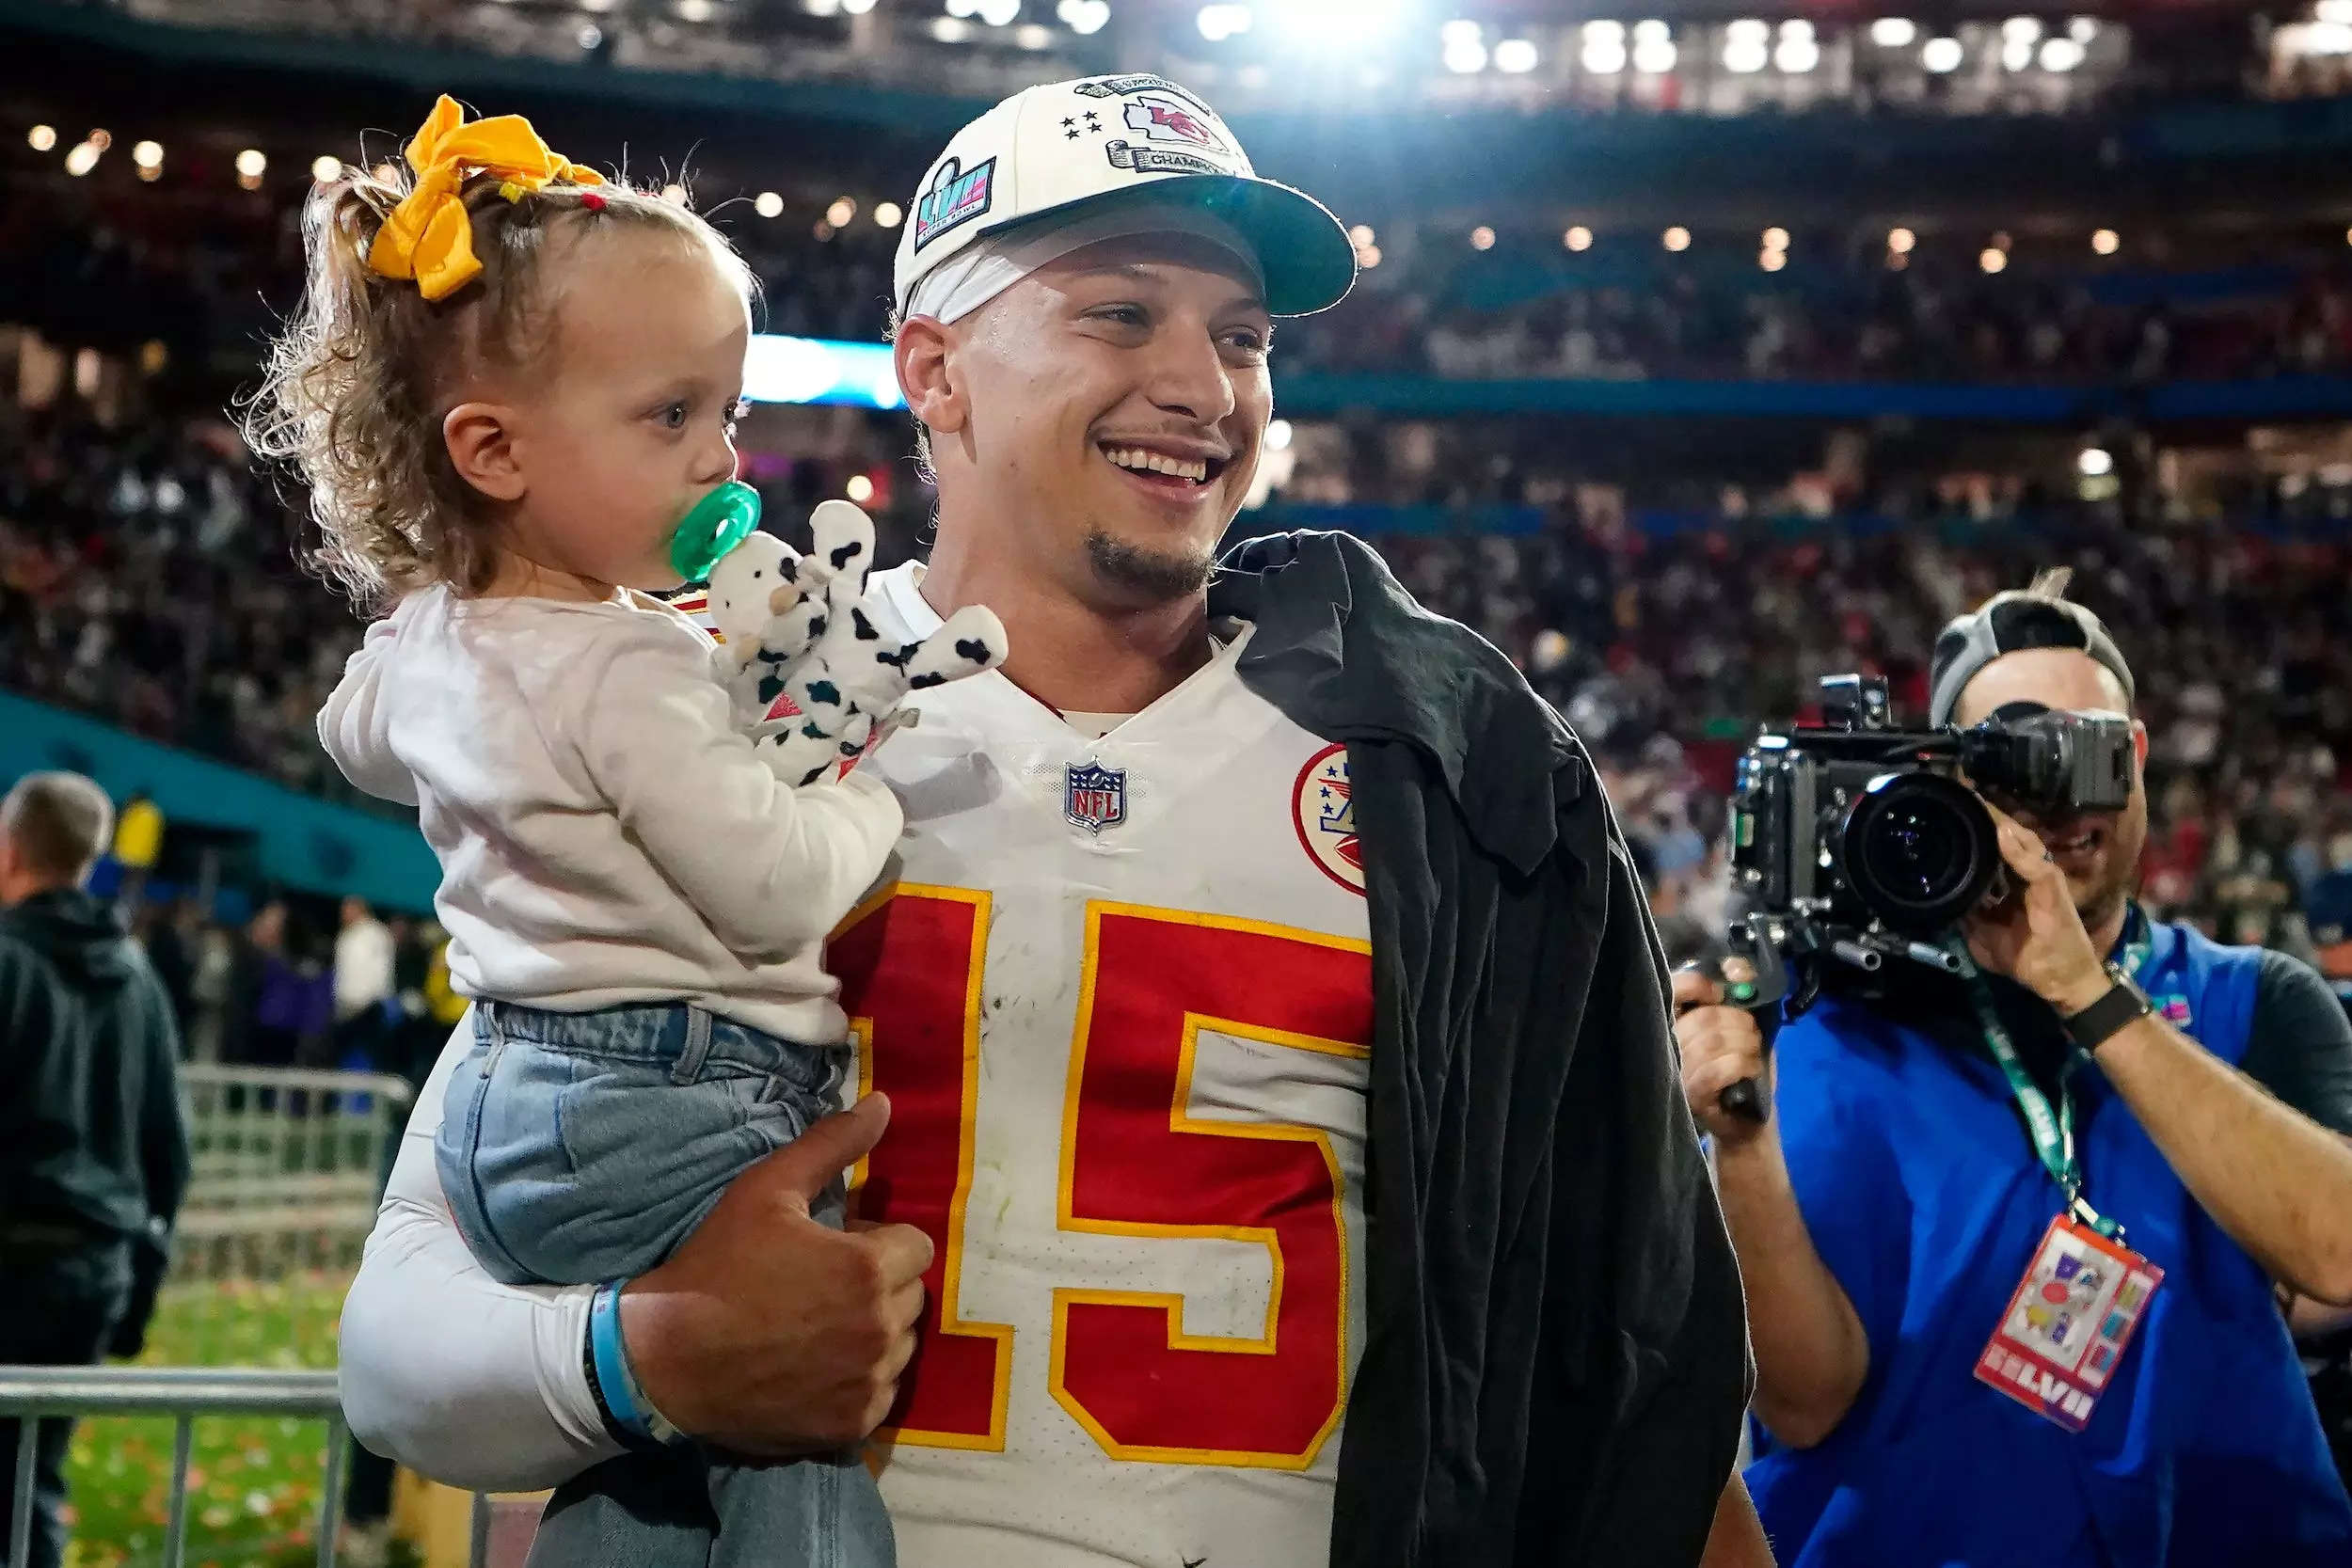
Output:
[[429, 236]]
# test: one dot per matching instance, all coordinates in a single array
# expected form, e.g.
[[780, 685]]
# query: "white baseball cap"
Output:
[[1102, 140]]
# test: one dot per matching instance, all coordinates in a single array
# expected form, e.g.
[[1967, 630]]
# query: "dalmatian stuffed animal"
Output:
[[848, 689]]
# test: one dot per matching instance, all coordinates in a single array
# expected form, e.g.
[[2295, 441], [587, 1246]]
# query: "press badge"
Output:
[[2068, 1325]]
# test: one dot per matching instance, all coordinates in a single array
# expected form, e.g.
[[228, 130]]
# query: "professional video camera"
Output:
[[1856, 842]]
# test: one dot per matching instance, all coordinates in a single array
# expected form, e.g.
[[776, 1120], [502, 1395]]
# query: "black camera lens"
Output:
[[1918, 849]]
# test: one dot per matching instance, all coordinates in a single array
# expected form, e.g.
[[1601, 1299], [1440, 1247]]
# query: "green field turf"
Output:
[[253, 1481]]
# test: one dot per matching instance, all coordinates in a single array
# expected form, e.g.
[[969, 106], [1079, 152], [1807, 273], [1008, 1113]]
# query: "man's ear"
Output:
[[480, 441], [2139, 741], [934, 393]]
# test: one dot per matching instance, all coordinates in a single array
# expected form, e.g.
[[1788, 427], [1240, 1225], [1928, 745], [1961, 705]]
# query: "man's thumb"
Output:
[[808, 1164]]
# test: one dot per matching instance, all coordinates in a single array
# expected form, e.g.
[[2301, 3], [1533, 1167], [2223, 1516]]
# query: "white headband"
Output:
[[986, 268]]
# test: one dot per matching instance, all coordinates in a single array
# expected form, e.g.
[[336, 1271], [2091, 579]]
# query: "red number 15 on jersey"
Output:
[[1133, 1162]]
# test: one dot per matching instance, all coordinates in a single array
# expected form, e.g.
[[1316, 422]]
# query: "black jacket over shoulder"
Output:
[[1557, 1359], [91, 1136]]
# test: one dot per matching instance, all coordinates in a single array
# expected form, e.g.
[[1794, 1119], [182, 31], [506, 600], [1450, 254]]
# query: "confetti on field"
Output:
[[254, 1480]]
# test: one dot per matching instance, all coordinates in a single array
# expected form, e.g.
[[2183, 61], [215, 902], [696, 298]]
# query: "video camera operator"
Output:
[[2180, 1106]]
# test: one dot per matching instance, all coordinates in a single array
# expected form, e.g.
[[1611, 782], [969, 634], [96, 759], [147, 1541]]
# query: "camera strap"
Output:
[[2053, 1132]]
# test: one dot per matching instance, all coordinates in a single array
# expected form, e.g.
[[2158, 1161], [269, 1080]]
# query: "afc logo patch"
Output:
[[1094, 797], [1323, 812]]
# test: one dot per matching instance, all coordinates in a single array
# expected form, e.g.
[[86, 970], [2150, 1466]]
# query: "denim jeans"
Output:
[[581, 1148]]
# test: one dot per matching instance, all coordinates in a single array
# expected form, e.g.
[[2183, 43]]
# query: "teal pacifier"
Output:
[[720, 521]]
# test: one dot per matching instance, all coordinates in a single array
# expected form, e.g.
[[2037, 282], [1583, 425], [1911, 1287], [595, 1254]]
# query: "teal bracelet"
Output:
[[614, 1378]]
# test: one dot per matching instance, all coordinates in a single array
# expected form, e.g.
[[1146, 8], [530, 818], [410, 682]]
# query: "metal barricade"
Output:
[[287, 1167], [184, 1393]]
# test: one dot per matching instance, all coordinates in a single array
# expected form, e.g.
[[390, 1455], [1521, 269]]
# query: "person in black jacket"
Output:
[[93, 1149]]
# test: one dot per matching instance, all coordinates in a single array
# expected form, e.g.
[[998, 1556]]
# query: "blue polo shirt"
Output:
[[1916, 1180]]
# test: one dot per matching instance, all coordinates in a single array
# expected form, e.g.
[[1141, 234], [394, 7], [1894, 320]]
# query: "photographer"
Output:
[[2177, 1106]]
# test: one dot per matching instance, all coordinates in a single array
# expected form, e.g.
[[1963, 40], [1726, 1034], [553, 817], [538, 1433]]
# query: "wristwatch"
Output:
[[2123, 1003]]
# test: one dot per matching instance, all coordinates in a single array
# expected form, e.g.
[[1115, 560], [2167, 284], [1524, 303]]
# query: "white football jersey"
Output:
[[1120, 995]]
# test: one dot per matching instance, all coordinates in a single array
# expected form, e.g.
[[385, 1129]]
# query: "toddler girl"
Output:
[[507, 382]]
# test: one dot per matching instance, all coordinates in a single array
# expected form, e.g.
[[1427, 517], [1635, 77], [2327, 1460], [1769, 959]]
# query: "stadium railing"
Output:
[[287, 1167], [185, 1393]]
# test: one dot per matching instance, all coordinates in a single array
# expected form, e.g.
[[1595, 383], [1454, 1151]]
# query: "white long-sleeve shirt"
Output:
[[364, 960], [606, 835]]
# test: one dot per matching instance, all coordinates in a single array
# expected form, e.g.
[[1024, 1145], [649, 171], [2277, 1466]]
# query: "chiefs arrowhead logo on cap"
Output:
[[1164, 119]]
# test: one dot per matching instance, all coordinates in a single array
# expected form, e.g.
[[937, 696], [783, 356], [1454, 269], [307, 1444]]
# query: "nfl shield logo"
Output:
[[1094, 797]]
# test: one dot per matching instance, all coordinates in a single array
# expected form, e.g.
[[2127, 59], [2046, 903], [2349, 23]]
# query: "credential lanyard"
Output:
[[2053, 1132]]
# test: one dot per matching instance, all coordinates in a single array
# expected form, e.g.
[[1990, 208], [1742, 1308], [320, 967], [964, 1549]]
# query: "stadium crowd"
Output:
[[200, 280], [145, 578]]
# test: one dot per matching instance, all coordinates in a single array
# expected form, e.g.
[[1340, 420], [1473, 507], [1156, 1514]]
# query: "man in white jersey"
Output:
[[1117, 1001]]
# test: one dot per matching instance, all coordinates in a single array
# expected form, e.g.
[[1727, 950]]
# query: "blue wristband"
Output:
[[631, 1409]]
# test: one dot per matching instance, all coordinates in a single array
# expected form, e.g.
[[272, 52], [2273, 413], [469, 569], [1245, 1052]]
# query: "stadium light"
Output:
[[1654, 51], [767, 205], [1772, 261], [821, 7], [1942, 55], [589, 37], [2022, 29], [888, 216], [82, 159], [693, 10], [947, 29], [1678, 238], [1080, 16], [1342, 22], [1747, 46], [1481, 238], [1033, 35], [1361, 235], [148, 154], [1461, 28], [961, 10], [1577, 238], [2095, 462], [860, 489], [1368, 258], [1992, 259], [842, 211], [857, 7], [1899, 241], [1464, 57], [2082, 29], [1516, 55], [40, 138], [2060, 54], [2016, 54], [999, 13], [2106, 241], [1776, 238], [1221, 22], [2333, 10], [674, 194], [1603, 53], [1894, 32], [1277, 436], [325, 168], [1797, 55], [252, 163]]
